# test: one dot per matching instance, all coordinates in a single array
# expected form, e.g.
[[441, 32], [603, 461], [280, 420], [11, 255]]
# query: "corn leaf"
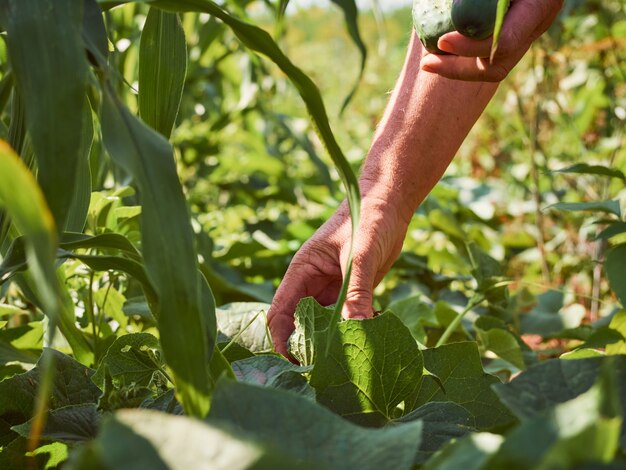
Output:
[[351, 14], [82, 188], [262, 43], [50, 70], [22, 198], [162, 70], [168, 248], [503, 7]]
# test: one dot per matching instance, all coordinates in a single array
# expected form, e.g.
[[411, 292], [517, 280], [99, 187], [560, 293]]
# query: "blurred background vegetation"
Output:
[[253, 166], [259, 183]]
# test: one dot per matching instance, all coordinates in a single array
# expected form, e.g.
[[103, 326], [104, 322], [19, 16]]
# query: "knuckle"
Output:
[[359, 297], [497, 73]]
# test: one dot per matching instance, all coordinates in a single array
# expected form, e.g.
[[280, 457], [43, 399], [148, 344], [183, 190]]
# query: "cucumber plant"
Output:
[[128, 318]]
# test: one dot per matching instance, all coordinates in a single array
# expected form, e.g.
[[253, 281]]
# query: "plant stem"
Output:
[[532, 130], [242, 331], [477, 300], [90, 307]]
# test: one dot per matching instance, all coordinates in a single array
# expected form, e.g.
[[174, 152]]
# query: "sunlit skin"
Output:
[[425, 122]]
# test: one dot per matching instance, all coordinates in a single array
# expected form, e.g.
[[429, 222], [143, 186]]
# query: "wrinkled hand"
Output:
[[525, 22], [317, 268]]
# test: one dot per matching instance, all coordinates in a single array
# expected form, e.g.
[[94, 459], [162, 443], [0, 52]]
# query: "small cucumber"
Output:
[[475, 19], [432, 19]]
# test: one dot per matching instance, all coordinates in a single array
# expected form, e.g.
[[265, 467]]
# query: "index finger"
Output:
[[525, 21]]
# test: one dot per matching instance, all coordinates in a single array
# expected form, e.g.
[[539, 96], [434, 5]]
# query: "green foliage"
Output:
[[195, 174], [307, 432], [371, 367]]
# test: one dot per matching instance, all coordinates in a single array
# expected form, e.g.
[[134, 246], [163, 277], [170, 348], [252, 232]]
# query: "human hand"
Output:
[[469, 59], [317, 269]]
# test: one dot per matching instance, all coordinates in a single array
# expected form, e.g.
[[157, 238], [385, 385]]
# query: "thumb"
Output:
[[359, 297]]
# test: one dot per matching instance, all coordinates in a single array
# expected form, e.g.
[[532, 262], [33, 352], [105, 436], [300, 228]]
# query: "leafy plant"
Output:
[[132, 306]]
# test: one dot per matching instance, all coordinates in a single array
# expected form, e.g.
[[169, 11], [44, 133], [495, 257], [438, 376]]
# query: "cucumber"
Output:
[[474, 18], [432, 19]]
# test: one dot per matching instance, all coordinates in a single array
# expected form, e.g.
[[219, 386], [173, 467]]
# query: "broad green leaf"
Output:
[[584, 429], [416, 315], [71, 385], [484, 267], [549, 317], [165, 403], [586, 169], [29, 336], [144, 439], [610, 207], [9, 353], [70, 425], [469, 453], [304, 431], [546, 384], [162, 70], [131, 359], [602, 337], [167, 240], [261, 42], [49, 456], [309, 318], [246, 324], [614, 267], [459, 368], [618, 324], [582, 354], [496, 338], [503, 7], [110, 303], [10, 310], [10, 370], [351, 15], [50, 71], [22, 198], [612, 230], [138, 307], [442, 421], [372, 366], [274, 372]]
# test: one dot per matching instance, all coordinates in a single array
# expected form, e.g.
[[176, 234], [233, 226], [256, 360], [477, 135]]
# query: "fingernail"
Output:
[[358, 317], [445, 45], [427, 68]]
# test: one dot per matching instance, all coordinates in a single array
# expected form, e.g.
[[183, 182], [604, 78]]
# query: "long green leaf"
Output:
[[24, 201], [351, 14], [608, 206], [82, 188], [168, 247], [50, 72], [162, 70], [261, 42], [586, 169], [614, 266], [503, 7]]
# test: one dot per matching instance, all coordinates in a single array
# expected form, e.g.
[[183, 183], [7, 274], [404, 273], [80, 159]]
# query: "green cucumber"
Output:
[[432, 19], [475, 19]]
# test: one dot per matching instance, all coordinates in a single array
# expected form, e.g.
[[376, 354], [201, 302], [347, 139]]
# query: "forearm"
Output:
[[424, 124]]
